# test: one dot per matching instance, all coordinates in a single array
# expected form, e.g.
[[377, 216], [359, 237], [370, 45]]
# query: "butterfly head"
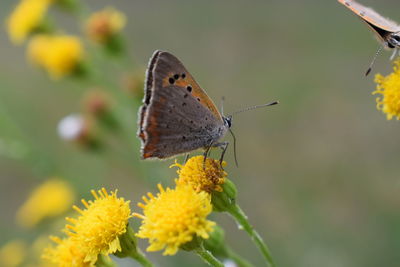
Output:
[[394, 40], [228, 121]]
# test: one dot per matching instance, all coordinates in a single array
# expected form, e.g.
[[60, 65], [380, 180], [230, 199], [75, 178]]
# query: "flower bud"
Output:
[[216, 242], [104, 27], [224, 200]]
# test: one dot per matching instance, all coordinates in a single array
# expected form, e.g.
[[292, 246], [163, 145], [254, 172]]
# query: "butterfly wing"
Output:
[[381, 26], [177, 116]]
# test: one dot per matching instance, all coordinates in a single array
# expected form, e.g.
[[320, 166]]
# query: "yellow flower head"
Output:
[[99, 226], [104, 24], [202, 177], [60, 55], [389, 89], [26, 17], [174, 217], [66, 253], [13, 253], [50, 199]]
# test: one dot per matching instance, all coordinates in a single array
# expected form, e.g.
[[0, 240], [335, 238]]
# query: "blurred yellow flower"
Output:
[[389, 89], [26, 17], [66, 253], [36, 250], [60, 55], [13, 253], [99, 226], [202, 177], [50, 199], [104, 24], [173, 217]]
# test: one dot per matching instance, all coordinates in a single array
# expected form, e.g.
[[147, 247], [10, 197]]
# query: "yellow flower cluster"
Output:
[[96, 231], [174, 217], [50, 199], [104, 24], [202, 176], [60, 55], [389, 89], [27, 16]]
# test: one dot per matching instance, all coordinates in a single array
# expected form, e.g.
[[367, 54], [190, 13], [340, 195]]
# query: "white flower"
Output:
[[229, 263], [71, 127]]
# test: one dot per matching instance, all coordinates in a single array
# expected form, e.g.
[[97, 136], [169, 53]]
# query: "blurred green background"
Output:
[[319, 173]]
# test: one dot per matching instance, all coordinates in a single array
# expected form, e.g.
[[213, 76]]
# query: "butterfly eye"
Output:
[[396, 37], [228, 121]]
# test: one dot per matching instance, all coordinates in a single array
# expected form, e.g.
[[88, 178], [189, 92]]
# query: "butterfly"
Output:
[[177, 116], [387, 31]]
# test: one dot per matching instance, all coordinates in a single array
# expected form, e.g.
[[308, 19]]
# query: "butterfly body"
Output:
[[386, 30], [177, 116]]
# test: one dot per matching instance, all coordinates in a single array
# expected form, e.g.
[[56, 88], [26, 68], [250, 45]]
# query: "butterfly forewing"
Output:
[[380, 25]]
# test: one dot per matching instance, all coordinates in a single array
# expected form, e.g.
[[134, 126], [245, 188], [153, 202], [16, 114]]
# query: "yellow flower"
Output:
[[202, 177], [50, 199], [60, 55], [13, 253], [104, 24], [99, 226], [389, 89], [66, 253], [173, 217], [26, 17]]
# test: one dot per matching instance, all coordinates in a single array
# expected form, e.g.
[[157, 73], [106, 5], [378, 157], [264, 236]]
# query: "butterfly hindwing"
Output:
[[173, 119]]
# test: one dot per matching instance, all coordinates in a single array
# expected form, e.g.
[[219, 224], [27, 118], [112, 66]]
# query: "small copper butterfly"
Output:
[[177, 116]]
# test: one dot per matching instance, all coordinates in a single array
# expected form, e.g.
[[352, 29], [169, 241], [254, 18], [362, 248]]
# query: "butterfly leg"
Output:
[[394, 54], [206, 152], [224, 147], [187, 157]]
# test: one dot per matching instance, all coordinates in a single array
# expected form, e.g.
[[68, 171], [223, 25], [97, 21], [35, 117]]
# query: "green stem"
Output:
[[104, 261], [236, 212], [139, 257], [237, 258], [208, 257]]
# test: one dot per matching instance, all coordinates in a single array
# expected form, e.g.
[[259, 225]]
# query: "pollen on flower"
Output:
[[26, 17], [202, 177], [60, 55], [388, 87], [50, 199], [173, 217], [66, 253], [100, 224]]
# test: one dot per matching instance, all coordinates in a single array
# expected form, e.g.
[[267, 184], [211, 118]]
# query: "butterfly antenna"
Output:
[[222, 105], [373, 60], [254, 107], [234, 147]]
